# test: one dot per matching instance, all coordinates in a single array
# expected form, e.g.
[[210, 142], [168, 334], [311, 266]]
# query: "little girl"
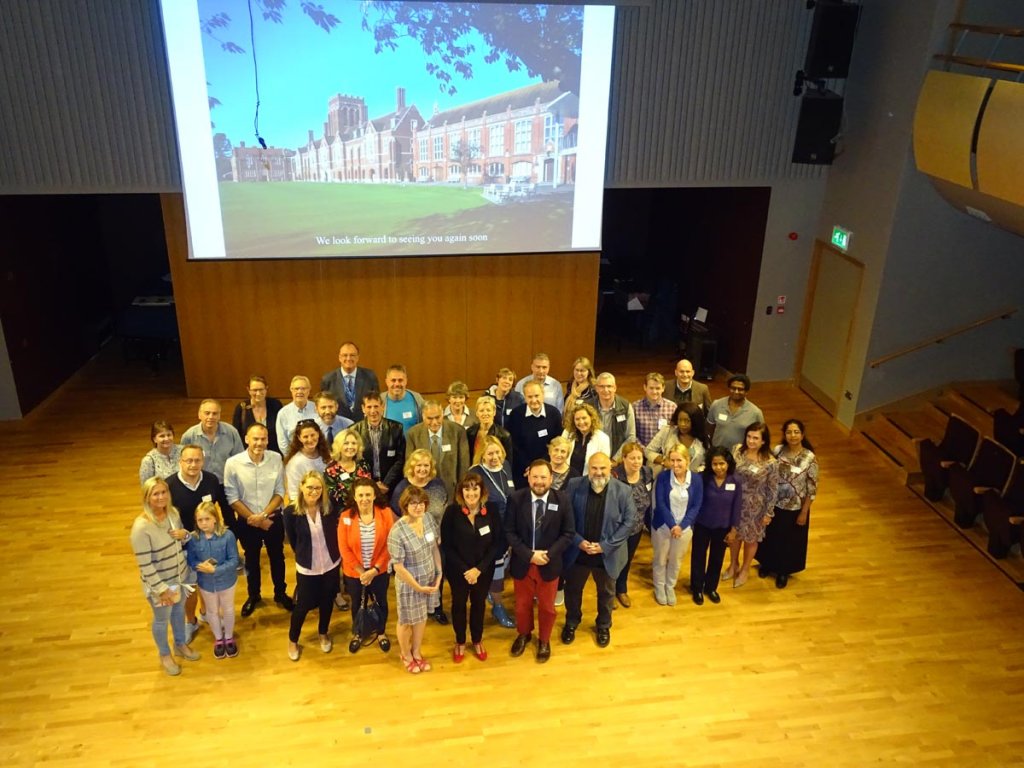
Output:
[[213, 553]]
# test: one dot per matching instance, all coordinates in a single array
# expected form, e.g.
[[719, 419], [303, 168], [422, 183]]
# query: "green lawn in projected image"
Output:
[[266, 220]]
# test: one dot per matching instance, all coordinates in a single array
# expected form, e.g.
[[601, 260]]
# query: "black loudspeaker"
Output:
[[821, 118], [831, 43]]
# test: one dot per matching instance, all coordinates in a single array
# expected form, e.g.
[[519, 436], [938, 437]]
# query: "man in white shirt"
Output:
[[254, 487]]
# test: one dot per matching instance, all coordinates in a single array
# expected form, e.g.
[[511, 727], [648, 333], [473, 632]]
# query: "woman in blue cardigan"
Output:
[[715, 525], [677, 500]]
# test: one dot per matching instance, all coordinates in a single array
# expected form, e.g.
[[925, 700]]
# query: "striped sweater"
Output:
[[160, 558]]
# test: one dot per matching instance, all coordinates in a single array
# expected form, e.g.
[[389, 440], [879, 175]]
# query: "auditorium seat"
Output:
[[990, 468], [957, 446], [1003, 514], [1007, 427]]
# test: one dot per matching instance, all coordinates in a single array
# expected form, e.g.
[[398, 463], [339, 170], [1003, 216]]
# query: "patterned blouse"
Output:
[[641, 490], [155, 464], [339, 482], [798, 478]]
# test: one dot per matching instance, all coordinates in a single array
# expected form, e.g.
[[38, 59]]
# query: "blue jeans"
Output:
[[162, 614]]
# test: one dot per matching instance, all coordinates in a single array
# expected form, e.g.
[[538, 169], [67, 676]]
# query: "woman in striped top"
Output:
[[363, 541], [156, 540]]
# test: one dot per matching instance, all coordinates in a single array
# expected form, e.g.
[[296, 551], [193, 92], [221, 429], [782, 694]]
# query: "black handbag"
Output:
[[368, 623]]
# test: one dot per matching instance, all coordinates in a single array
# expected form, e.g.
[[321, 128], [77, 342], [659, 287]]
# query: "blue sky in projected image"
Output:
[[301, 66]]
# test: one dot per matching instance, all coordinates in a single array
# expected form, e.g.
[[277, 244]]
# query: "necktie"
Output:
[[435, 448], [538, 518], [350, 389], [330, 436]]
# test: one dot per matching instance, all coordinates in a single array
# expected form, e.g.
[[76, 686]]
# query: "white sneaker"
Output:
[[560, 597]]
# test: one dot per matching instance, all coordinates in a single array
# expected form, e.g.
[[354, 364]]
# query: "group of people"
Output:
[[552, 485]]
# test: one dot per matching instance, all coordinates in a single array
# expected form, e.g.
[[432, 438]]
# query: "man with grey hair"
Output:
[[218, 440], [445, 441], [301, 407], [603, 512], [617, 418]]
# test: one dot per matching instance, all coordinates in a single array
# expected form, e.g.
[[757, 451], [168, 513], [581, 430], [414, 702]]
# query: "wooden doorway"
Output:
[[833, 291]]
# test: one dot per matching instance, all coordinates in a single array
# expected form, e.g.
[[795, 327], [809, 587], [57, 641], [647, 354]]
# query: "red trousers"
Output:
[[532, 585]]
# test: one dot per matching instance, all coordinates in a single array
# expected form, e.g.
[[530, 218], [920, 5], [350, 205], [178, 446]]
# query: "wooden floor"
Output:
[[899, 644]]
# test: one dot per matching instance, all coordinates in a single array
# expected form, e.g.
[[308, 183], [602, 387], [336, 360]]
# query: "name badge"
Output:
[[508, 411], [391, 452], [347, 520], [345, 476], [755, 469], [406, 414], [207, 497], [542, 433], [511, 484], [429, 536], [446, 448], [723, 417], [730, 486], [553, 507], [621, 417], [649, 486], [485, 530]]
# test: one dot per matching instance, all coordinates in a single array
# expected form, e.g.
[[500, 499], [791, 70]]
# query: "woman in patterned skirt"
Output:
[[758, 472], [416, 560], [784, 550]]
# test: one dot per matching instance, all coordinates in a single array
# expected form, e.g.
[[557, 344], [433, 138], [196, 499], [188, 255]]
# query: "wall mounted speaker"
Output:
[[821, 118]]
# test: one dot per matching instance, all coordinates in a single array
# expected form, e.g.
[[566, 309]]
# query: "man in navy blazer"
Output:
[[603, 514], [349, 392], [538, 526]]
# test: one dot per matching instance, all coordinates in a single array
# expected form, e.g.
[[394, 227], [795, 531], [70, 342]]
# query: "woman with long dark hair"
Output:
[[715, 525], [784, 549], [758, 472]]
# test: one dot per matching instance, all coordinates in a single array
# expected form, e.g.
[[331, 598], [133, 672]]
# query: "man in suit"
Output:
[[533, 425], [444, 440], [349, 383], [687, 390], [383, 443], [328, 418], [539, 529], [603, 513]]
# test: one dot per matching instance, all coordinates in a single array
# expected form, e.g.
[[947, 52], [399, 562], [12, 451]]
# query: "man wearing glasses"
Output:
[[729, 417], [301, 407]]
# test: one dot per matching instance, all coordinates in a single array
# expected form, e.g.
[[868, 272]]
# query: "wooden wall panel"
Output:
[[443, 318]]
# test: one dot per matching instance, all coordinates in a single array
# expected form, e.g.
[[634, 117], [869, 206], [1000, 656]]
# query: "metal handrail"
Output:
[[1001, 315]]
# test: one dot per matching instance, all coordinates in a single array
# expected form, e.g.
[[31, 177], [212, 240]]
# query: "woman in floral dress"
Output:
[[758, 472]]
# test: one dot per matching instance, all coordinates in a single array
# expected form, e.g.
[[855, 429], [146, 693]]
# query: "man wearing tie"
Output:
[[539, 529], [349, 382], [446, 442], [331, 423]]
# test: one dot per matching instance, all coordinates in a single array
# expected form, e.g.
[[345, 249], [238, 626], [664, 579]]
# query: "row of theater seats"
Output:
[[984, 476]]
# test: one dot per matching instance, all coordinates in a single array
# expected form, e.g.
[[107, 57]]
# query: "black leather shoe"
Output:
[[714, 597], [604, 636], [698, 598], [440, 617], [520, 643], [285, 602], [763, 572], [781, 580], [543, 652], [249, 606], [568, 634]]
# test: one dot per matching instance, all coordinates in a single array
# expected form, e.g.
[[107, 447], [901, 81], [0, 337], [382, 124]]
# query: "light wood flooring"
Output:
[[900, 644]]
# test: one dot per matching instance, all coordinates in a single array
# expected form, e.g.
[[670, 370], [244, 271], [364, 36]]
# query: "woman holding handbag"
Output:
[[363, 541]]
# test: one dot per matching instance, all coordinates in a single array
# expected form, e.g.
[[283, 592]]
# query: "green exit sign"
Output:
[[841, 238]]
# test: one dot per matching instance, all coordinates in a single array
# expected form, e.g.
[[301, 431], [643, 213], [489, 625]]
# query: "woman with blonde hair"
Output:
[[496, 472], [582, 386], [312, 532], [559, 450], [346, 466], [156, 538], [583, 431]]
